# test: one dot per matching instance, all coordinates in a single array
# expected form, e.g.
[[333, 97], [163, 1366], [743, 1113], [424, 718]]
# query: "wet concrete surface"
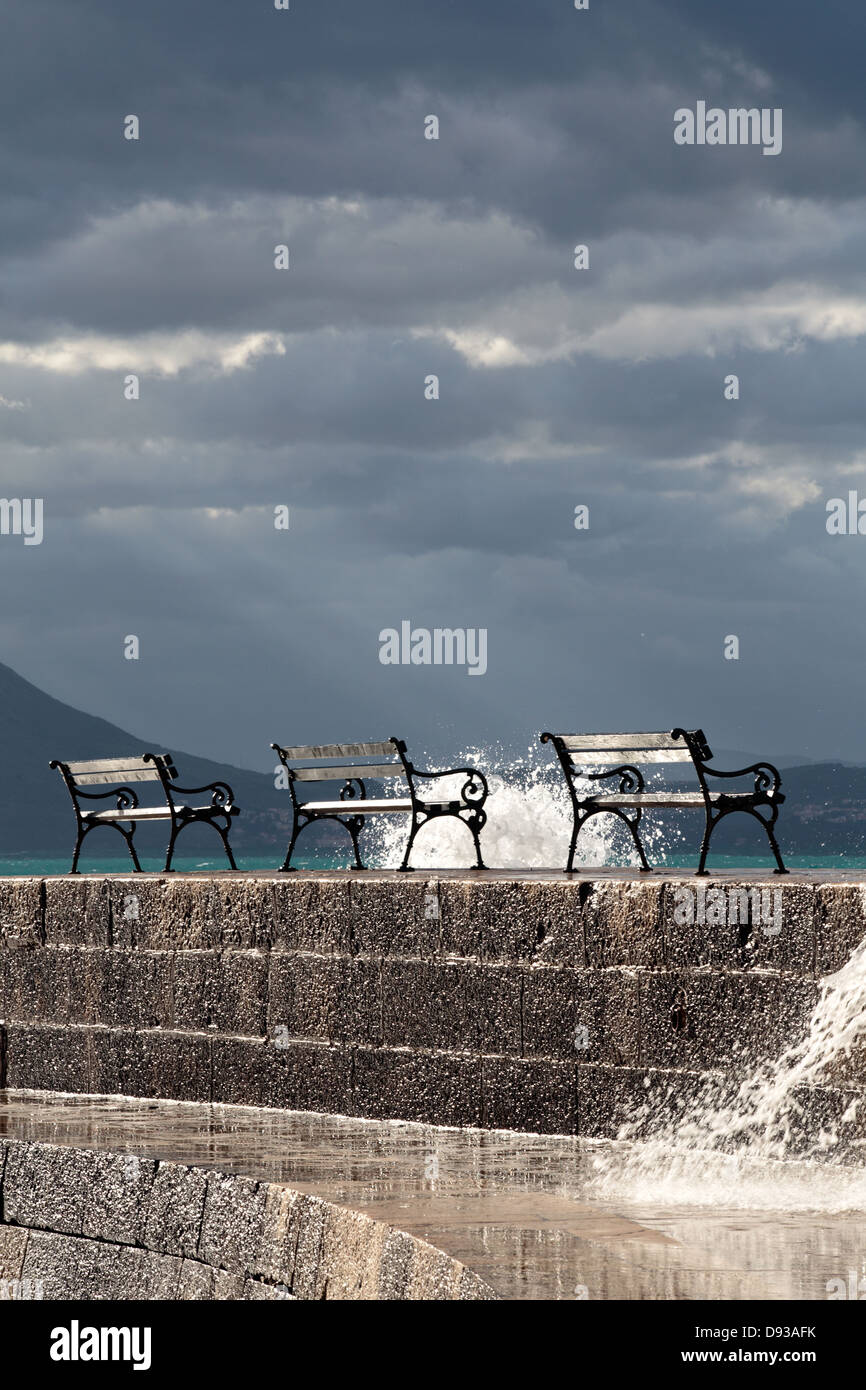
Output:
[[512, 1207]]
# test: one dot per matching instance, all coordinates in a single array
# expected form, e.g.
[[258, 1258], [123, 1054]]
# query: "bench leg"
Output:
[[406, 867], [170, 851], [710, 826], [223, 833], [354, 827], [633, 825], [768, 826], [78, 843], [85, 831], [712, 822], [575, 831], [476, 824], [286, 867], [580, 819], [176, 828], [131, 847]]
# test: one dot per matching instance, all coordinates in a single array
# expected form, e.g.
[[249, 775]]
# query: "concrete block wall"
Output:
[[82, 1224], [505, 1002]]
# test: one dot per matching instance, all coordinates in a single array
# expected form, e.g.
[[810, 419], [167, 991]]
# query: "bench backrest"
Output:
[[327, 762], [150, 767], [615, 750]]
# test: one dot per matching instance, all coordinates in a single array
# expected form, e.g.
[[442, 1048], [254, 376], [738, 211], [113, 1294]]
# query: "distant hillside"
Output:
[[35, 810]]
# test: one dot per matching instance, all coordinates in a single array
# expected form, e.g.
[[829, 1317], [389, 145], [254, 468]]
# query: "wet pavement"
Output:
[[513, 1207]]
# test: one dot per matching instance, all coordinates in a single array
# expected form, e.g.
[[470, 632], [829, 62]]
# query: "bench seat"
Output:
[[369, 805], [139, 813]]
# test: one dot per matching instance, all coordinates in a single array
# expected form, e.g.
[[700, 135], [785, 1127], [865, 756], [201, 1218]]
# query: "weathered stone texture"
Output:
[[569, 1006], [464, 1000], [90, 1224]]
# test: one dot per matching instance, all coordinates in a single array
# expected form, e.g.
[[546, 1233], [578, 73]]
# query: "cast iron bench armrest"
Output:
[[348, 793], [469, 792], [223, 796], [767, 778], [630, 778], [125, 797]]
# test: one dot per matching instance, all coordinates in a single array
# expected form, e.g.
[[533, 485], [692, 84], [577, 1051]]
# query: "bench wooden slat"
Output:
[[110, 765], [609, 757], [342, 774], [361, 805], [122, 775], [585, 741], [136, 813], [340, 750], [666, 798]]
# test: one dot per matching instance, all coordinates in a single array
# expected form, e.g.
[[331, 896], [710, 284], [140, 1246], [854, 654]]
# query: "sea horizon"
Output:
[[47, 866]]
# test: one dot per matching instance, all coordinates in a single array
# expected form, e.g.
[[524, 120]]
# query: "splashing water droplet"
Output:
[[529, 822], [773, 1140]]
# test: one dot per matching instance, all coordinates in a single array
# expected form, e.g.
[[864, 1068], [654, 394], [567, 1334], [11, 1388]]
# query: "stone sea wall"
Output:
[[98, 1225], [538, 1004]]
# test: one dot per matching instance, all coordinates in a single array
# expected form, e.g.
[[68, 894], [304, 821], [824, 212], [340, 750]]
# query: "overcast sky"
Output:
[[453, 257]]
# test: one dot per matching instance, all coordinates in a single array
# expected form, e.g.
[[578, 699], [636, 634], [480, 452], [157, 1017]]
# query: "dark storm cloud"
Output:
[[408, 258], [551, 114]]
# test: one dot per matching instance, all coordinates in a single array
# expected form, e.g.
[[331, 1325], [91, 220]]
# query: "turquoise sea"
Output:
[[29, 866], [11, 865]]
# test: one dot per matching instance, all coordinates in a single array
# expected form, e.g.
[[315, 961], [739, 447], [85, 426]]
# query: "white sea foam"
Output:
[[769, 1142], [528, 826]]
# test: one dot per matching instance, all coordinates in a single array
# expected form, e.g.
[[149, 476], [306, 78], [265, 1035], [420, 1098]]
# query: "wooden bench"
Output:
[[116, 773], [354, 764], [619, 754]]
